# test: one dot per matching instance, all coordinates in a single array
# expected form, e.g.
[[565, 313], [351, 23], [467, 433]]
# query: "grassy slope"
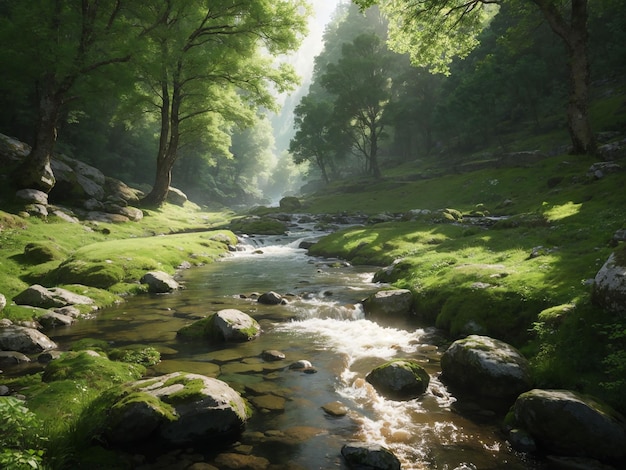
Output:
[[468, 279]]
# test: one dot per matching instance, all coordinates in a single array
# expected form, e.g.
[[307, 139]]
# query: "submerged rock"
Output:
[[571, 424], [486, 367], [399, 379], [369, 456]]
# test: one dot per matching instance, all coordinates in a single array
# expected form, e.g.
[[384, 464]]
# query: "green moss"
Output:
[[191, 391], [261, 226], [165, 410], [198, 330], [136, 354], [81, 365], [93, 344], [42, 252]]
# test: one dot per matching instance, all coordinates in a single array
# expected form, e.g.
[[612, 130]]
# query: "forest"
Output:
[[471, 153]]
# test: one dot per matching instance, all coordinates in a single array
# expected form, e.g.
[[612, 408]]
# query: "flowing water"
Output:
[[323, 324]]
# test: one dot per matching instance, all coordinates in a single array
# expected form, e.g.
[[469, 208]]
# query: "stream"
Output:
[[323, 324]]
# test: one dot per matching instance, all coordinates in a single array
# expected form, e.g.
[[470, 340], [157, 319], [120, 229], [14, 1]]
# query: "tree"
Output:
[[318, 138], [433, 32], [361, 82], [65, 43], [205, 68]]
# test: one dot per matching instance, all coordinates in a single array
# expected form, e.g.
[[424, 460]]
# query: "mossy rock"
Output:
[[102, 274], [259, 225], [92, 344], [399, 379], [90, 367], [40, 252], [290, 203], [197, 331]]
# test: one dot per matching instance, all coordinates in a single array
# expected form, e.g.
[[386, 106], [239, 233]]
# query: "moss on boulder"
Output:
[[399, 379]]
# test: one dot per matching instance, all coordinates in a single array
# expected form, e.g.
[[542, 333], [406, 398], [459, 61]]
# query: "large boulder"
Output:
[[32, 196], [369, 456], [178, 408], [389, 303], [399, 379], [270, 298], [234, 325], [159, 282], [24, 340], [487, 367], [39, 296], [76, 179], [290, 203], [176, 196], [571, 424], [609, 286]]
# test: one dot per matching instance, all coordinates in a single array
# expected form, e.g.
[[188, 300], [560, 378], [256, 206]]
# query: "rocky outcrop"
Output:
[[369, 456], [24, 340], [39, 296], [177, 408], [290, 203], [609, 285], [571, 424], [399, 379], [389, 303], [159, 282], [483, 366]]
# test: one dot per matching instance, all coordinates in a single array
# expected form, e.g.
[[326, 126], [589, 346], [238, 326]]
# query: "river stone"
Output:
[[609, 286], [399, 379], [269, 403], [24, 340], [159, 282], [389, 303], [369, 456], [39, 296], [484, 366], [232, 461], [234, 325], [13, 357], [335, 408], [270, 298], [180, 408], [571, 424], [52, 319], [272, 355]]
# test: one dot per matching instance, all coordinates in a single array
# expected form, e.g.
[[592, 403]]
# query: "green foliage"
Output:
[[20, 436], [84, 366], [146, 356]]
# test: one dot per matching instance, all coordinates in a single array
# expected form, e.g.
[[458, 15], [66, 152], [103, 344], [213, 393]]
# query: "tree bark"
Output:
[[575, 36], [35, 172]]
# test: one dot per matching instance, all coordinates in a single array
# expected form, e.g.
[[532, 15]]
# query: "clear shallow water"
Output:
[[321, 324]]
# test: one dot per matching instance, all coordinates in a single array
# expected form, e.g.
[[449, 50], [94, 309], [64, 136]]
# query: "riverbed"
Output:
[[321, 322]]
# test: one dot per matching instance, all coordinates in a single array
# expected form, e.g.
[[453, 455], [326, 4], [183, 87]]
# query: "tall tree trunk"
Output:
[[575, 36], [168, 148], [35, 172], [373, 157]]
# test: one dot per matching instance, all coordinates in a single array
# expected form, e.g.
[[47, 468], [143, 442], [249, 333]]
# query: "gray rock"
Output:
[[13, 357], [3, 302], [399, 379], [389, 303], [132, 213], [24, 340], [369, 456], [33, 196], [63, 215], [159, 282], [176, 196], [37, 210], [48, 356], [272, 355], [39, 296], [609, 287], [571, 424], [234, 325], [270, 298], [4, 390], [599, 169], [52, 319], [181, 408], [487, 367], [290, 203]]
